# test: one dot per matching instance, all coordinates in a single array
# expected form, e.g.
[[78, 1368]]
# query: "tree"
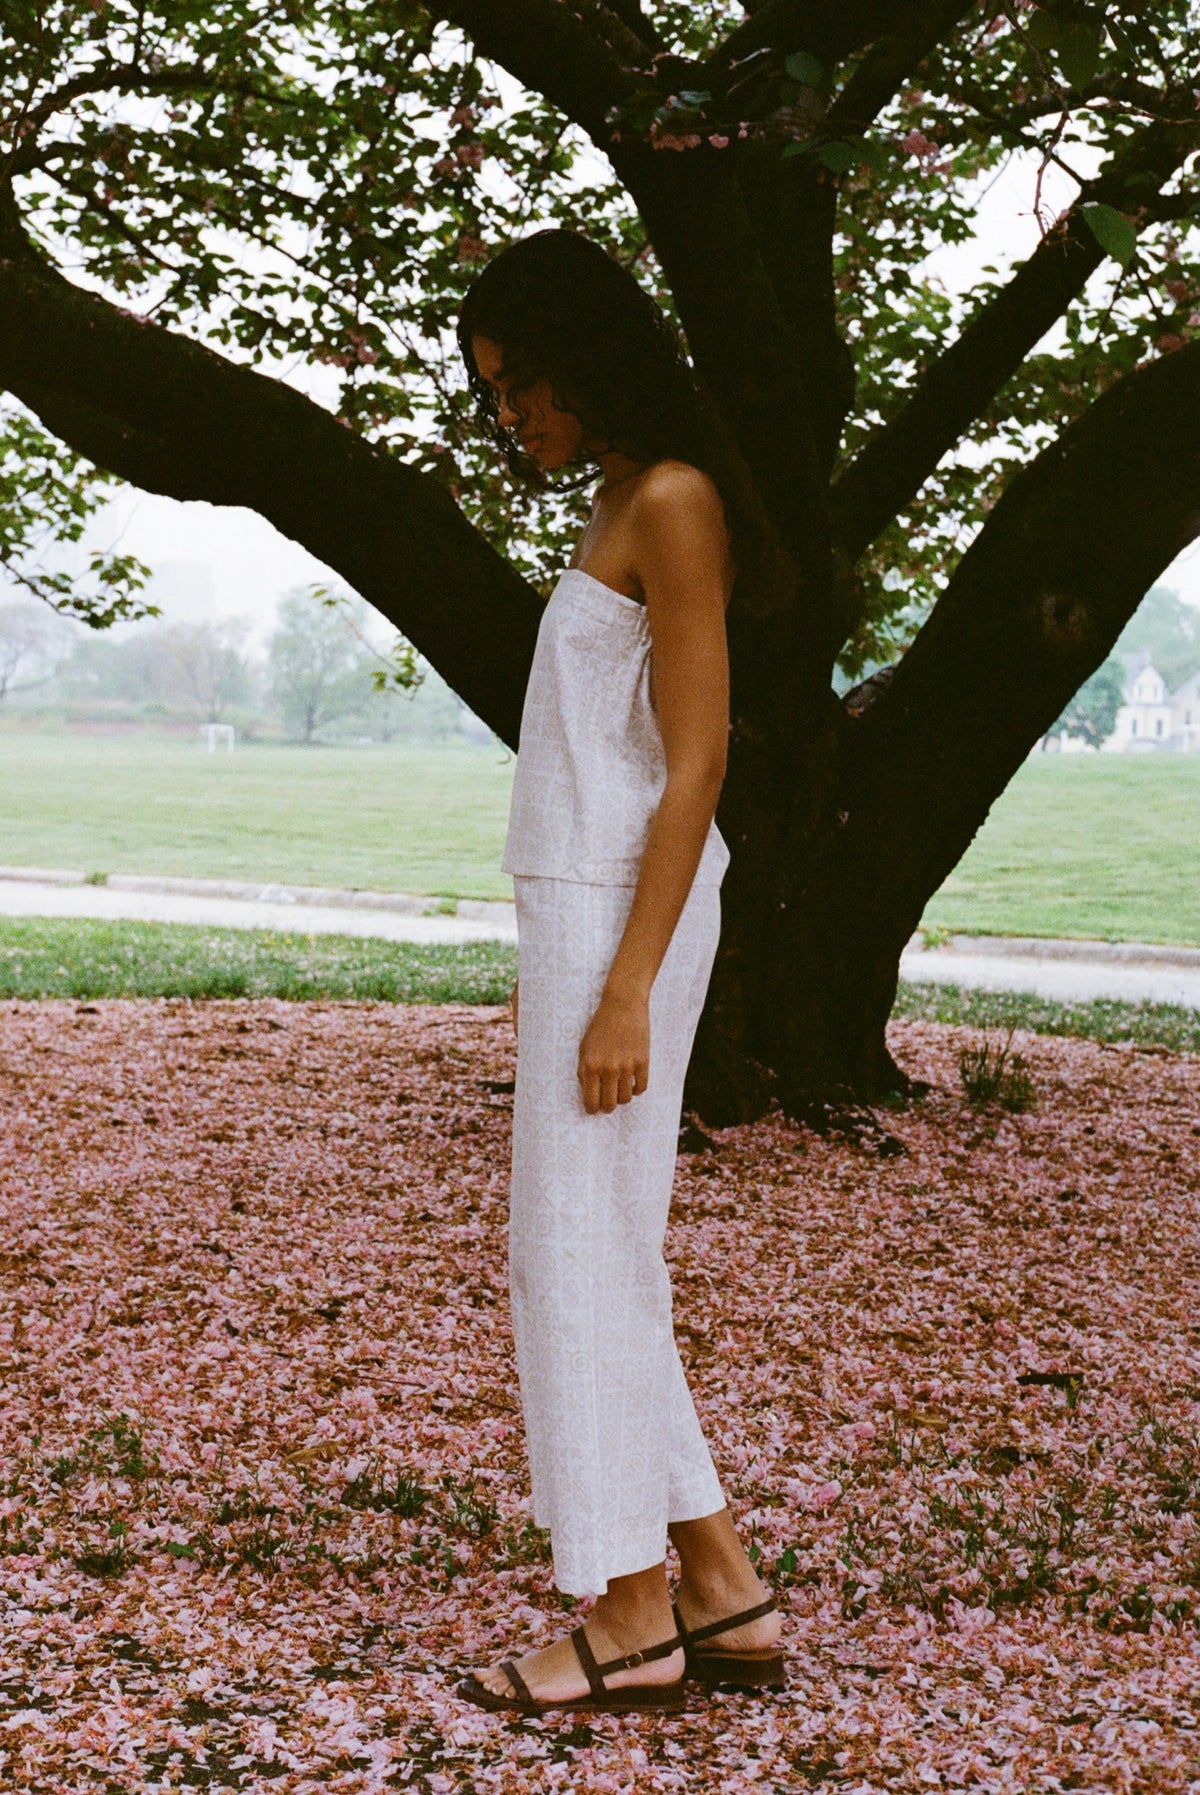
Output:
[[1091, 715], [211, 667], [1169, 630], [29, 645], [970, 494], [194, 670], [318, 669]]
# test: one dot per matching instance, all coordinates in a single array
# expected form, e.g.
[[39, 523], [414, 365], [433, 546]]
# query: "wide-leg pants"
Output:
[[615, 1449]]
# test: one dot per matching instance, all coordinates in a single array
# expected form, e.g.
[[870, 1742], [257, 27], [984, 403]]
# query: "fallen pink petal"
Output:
[[264, 1490]]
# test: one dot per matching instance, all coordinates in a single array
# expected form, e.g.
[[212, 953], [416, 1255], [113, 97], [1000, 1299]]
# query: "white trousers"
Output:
[[615, 1449]]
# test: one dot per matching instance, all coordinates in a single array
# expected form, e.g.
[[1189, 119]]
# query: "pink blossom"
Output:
[[271, 1237], [917, 144]]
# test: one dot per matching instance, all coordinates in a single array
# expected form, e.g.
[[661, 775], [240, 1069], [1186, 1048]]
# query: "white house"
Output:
[[1146, 720]]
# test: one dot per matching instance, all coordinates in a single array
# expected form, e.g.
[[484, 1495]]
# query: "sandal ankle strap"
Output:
[[722, 1626], [596, 1673]]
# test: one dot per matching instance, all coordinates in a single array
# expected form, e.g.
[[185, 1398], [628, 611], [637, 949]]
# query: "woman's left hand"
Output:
[[614, 1055]]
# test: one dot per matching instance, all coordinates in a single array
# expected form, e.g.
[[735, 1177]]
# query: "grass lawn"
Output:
[[1091, 846], [426, 820], [1104, 847], [42, 958]]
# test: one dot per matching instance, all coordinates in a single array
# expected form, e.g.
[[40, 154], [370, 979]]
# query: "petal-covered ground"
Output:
[[262, 1494]]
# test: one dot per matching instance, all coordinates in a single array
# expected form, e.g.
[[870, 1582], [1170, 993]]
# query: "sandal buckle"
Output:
[[633, 1660]]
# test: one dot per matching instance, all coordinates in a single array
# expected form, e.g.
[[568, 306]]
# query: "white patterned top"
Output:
[[591, 767]]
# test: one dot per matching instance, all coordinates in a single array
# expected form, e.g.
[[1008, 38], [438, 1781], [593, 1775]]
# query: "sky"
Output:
[[215, 562]]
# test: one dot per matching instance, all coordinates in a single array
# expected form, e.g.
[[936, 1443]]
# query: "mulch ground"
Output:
[[262, 1487]]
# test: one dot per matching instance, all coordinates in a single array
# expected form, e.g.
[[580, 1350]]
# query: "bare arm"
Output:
[[684, 564]]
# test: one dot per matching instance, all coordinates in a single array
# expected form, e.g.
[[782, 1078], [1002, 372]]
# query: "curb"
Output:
[[1036, 947], [327, 896]]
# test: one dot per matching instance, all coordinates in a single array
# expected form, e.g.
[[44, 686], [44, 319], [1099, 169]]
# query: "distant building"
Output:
[[1185, 714], [1151, 718]]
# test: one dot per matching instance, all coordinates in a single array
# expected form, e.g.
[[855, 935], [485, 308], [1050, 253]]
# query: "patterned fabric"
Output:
[[591, 767], [615, 1449]]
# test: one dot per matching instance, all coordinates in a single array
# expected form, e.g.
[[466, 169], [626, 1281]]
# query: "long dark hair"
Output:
[[564, 310]]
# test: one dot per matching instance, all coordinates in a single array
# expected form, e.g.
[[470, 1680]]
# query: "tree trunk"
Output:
[[840, 844]]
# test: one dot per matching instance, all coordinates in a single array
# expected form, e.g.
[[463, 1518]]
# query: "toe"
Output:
[[494, 1679]]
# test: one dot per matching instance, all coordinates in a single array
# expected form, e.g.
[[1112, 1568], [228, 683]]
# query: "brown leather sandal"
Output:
[[630, 1698], [756, 1667]]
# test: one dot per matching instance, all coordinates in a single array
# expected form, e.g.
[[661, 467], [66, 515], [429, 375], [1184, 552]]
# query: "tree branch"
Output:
[[794, 207], [827, 29], [1033, 608], [176, 418], [739, 338], [583, 58], [1170, 105], [631, 15], [890, 62], [955, 389]]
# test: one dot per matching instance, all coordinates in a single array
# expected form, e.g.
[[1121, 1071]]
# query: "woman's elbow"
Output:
[[700, 779]]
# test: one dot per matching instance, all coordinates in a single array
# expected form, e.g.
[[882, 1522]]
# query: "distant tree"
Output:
[[28, 642], [187, 670], [1169, 630], [136, 670], [319, 668], [211, 666], [1092, 713]]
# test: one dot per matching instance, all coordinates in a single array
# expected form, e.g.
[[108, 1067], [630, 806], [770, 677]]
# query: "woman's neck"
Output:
[[616, 468]]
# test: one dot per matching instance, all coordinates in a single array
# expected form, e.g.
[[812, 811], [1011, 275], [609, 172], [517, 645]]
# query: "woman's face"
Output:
[[551, 436]]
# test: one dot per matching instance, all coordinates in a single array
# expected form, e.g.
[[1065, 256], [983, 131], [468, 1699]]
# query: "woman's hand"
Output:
[[614, 1055], [512, 1004]]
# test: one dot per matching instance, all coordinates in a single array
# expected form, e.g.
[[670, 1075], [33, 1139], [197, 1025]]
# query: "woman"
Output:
[[617, 866]]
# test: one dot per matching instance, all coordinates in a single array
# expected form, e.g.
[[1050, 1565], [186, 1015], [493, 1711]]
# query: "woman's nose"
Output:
[[508, 419]]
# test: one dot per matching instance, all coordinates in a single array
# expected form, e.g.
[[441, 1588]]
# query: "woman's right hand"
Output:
[[512, 1004]]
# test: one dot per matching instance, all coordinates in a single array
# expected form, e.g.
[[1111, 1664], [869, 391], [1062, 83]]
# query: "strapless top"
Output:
[[590, 765]]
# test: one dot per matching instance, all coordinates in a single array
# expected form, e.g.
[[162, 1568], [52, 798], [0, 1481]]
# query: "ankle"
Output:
[[633, 1623], [720, 1588]]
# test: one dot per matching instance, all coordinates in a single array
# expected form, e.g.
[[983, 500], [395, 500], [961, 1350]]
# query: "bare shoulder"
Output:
[[677, 490], [683, 549]]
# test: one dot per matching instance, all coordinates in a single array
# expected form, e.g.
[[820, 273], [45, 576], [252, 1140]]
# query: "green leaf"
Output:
[[806, 69], [840, 156], [1121, 41], [1112, 231], [175, 1549], [1079, 51], [1043, 30]]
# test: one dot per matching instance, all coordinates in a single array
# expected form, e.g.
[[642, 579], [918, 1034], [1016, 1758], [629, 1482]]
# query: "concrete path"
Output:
[[1066, 971], [1062, 970], [221, 904]]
